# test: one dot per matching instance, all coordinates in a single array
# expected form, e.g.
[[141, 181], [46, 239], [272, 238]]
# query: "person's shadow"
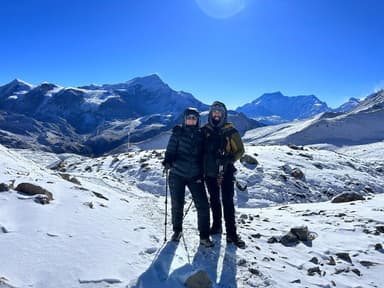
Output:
[[207, 259], [158, 271], [229, 270], [204, 259]]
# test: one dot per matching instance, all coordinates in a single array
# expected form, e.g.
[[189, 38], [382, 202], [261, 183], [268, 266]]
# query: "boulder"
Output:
[[200, 279], [4, 187], [32, 189], [347, 197], [248, 159]]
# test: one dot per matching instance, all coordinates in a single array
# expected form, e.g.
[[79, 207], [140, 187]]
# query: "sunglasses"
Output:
[[191, 117]]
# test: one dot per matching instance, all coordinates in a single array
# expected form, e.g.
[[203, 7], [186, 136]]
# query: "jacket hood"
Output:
[[191, 111], [217, 105]]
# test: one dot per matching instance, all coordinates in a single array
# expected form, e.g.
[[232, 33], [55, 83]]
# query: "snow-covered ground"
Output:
[[105, 226]]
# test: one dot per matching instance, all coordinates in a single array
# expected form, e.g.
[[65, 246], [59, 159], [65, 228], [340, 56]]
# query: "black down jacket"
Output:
[[184, 151]]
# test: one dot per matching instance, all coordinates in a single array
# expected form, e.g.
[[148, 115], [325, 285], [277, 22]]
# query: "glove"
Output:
[[166, 165], [225, 160]]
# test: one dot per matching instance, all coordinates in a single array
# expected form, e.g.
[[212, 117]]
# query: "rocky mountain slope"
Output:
[[92, 120]]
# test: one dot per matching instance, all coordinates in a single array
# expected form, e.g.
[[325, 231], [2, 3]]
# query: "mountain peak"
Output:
[[153, 81], [372, 102], [18, 82], [286, 108], [15, 86], [150, 82], [270, 95]]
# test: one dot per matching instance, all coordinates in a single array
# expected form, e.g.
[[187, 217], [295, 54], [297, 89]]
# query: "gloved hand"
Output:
[[225, 160], [167, 165]]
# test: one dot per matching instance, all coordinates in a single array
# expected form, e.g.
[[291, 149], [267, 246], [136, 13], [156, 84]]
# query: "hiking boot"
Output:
[[236, 240], [206, 242], [176, 236], [215, 230]]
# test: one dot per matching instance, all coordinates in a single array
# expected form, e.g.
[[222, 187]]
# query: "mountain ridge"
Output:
[[361, 125], [94, 113]]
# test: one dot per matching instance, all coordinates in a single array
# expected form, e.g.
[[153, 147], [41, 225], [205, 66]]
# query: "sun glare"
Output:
[[221, 8]]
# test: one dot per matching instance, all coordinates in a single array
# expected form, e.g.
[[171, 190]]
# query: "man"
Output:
[[222, 147], [184, 159]]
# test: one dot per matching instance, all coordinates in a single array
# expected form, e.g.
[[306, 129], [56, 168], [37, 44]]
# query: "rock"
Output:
[[367, 263], [199, 280], [318, 165], [344, 256], [242, 262], [342, 270], [297, 174], [68, 177], [301, 233], [272, 240], [257, 235], [306, 156], [293, 237], [347, 197], [4, 283], [380, 229], [32, 189], [356, 271], [248, 159], [368, 189], [3, 229], [89, 204], [314, 260], [289, 239], [378, 247], [254, 271], [312, 271], [331, 261], [41, 199], [99, 195], [4, 187], [295, 147]]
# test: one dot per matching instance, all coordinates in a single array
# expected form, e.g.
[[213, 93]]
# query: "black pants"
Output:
[[225, 199], [195, 185]]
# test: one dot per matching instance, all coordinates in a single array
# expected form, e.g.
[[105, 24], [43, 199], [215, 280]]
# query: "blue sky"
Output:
[[228, 50]]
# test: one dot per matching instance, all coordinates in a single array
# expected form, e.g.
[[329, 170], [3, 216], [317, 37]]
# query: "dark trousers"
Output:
[[195, 185], [225, 199]]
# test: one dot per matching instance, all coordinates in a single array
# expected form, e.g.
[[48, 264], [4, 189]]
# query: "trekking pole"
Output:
[[189, 207], [166, 204]]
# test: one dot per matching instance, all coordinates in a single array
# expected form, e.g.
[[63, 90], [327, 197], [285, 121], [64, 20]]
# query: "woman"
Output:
[[184, 159]]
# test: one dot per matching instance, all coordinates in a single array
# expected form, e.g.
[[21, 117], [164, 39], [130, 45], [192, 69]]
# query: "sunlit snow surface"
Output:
[[119, 242]]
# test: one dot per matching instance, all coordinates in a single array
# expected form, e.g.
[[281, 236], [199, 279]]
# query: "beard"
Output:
[[216, 121]]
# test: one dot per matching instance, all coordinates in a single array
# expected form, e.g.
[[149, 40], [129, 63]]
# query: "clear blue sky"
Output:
[[229, 50]]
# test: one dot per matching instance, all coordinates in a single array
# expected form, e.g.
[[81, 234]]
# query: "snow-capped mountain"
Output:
[[348, 106], [102, 224], [273, 108], [85, 109], [14, 88], [92, 120], [363, 124]]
